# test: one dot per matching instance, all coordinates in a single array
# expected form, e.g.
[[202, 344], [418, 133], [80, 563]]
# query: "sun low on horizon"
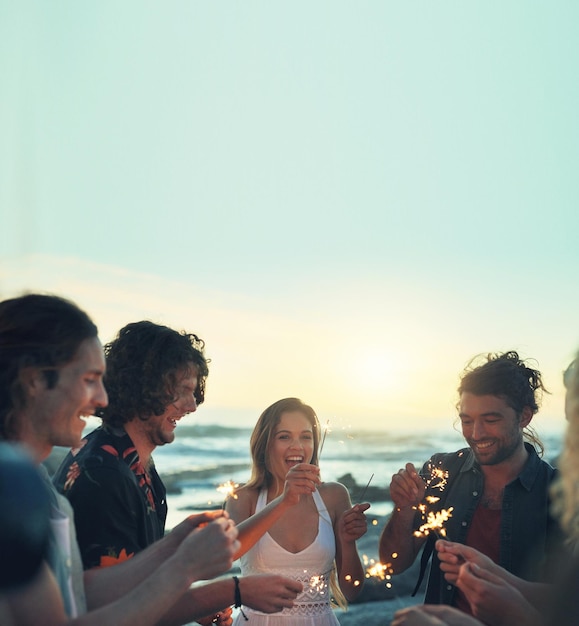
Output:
[[378, 376], [346, 205]]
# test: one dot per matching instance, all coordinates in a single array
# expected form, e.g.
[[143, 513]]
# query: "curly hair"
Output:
[[506, 376], [144, 365], [36, 330]]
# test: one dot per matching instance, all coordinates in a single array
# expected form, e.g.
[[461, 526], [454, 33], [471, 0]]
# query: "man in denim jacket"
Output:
[[494, 494]]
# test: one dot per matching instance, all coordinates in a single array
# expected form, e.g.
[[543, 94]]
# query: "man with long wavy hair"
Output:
[[155, 376], [496, 490], [51, 377]]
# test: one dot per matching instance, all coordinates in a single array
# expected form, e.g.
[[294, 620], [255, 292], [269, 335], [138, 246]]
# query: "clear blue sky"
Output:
[[347, 200]]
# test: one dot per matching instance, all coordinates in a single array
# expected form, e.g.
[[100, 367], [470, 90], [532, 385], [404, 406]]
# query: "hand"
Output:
[[268, 593], [492, 599], [453, 555], [433, 615], [407, 488], [192, 522], [208, 552], [223, 618], [302, 479], [352, 523]]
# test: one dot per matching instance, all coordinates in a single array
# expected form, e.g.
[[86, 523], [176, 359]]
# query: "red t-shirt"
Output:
[[484, 535]]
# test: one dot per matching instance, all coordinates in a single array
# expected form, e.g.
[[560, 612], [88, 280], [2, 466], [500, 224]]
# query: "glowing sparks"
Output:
[[438, 478], [228, 490], [434, 521], [381, 571], [317, 585]]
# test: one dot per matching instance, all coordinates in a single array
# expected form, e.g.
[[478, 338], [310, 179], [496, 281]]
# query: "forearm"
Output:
[[146, 603], [252, 529], [539, 595], [105, 585], [398, 546], [350, 570], [199, 601]]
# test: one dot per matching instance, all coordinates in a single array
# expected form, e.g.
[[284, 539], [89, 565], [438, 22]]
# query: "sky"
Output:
[[346, 201]]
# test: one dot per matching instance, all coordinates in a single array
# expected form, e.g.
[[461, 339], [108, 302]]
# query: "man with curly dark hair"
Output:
[[495, 492], [51, 377], [155, 375]]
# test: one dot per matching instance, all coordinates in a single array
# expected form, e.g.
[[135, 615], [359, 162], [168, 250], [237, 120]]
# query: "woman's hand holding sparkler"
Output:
[[302, 479], [353, 523]]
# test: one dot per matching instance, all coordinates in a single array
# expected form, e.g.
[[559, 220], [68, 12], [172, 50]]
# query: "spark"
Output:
[[228, 490], [375, 569], [434, 522], [437, 474]]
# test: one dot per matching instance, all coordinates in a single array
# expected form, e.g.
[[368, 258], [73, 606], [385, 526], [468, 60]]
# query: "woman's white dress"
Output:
[[312, 567]]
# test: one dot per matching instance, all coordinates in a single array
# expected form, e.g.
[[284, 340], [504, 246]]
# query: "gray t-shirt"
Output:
[[63, 554]]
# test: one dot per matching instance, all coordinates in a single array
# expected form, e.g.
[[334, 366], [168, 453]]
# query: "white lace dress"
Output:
[[311, 566]]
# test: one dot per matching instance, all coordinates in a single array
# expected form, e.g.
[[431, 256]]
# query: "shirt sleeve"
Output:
[[108, 515]]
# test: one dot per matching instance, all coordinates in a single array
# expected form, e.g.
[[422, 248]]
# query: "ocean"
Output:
[[204, 456]]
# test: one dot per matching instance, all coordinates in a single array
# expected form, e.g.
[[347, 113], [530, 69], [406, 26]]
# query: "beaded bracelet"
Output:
[[238, 602]]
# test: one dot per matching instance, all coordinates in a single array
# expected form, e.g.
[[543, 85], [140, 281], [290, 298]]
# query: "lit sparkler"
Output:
[[326, 430], [435, 478], [228, 489], [434, 521], [381, 571], [438, 476]]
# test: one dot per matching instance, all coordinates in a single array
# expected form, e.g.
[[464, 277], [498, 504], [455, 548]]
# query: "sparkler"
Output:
[[436, 474], [365, 489], [381, 571], [326, 429], [434, 522], [228, 489]]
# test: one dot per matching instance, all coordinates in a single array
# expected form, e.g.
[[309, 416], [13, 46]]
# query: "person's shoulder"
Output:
[[445, 458], [105, 448], [244, 494], [334, 493], [332, 488]]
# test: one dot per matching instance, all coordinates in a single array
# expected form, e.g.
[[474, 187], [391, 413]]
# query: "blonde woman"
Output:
[[292, 523]]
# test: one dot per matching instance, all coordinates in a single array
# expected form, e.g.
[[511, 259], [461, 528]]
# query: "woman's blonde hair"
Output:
[[567, 488], [261, 476]]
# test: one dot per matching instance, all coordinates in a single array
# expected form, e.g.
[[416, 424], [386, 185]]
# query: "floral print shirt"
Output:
[[119, 507]]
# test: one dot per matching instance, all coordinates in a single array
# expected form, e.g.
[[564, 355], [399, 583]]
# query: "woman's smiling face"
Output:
[[292, 443]]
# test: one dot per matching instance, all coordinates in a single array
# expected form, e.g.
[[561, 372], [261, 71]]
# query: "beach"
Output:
[[205, 456], [377, 602]]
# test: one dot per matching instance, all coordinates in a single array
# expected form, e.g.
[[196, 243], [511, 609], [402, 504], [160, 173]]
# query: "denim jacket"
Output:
[[528, 532]]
